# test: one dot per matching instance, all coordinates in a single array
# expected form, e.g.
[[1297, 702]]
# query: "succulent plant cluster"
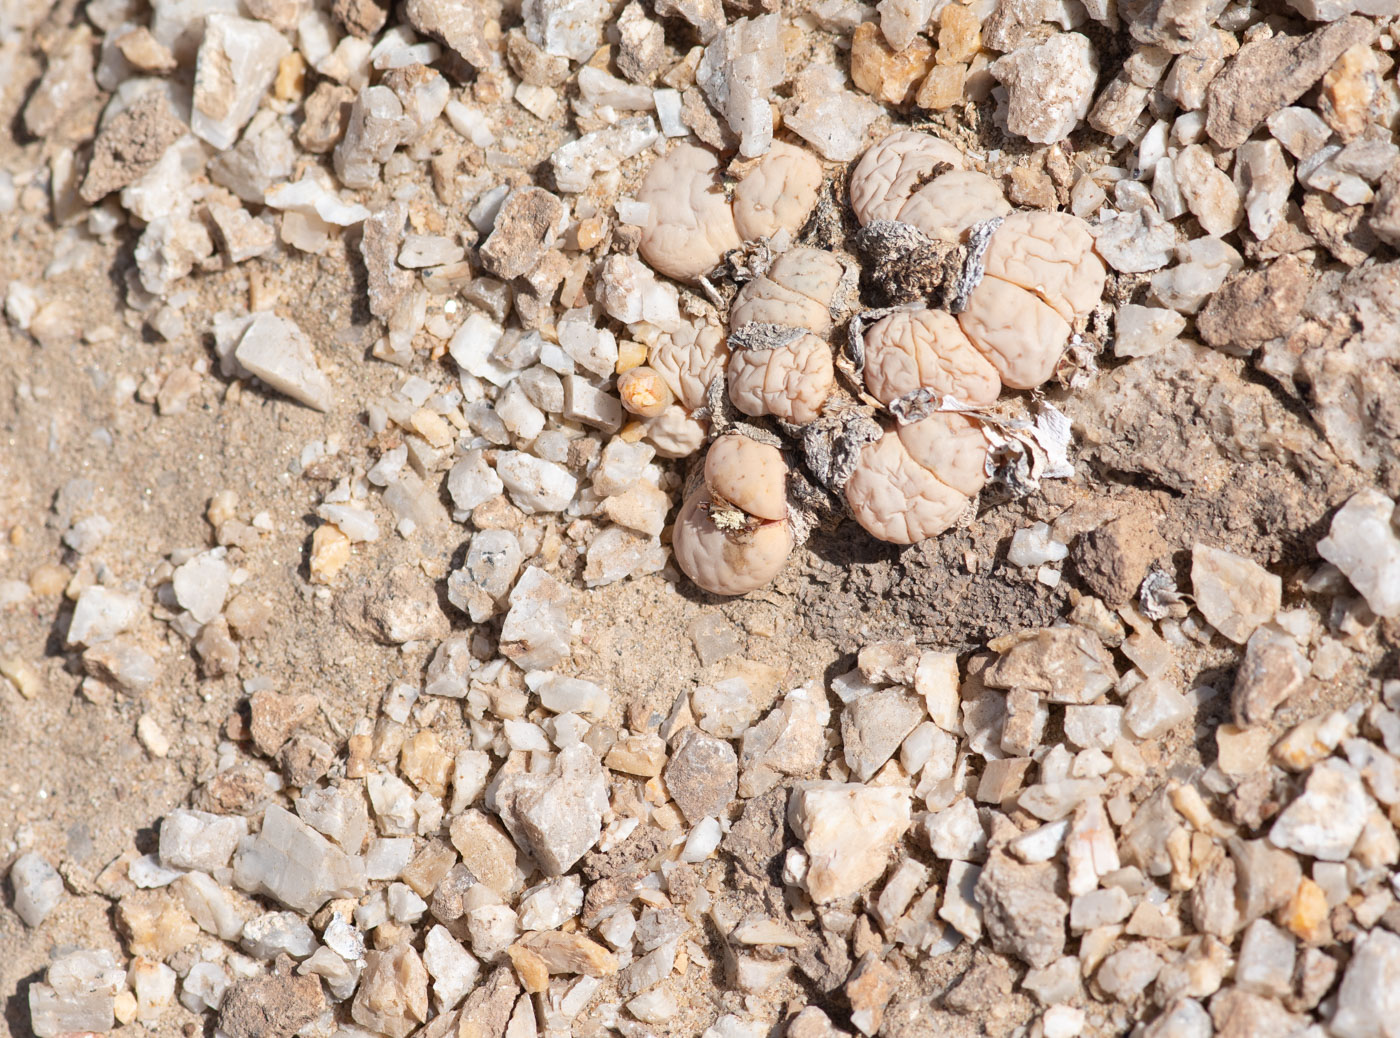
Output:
[[901, 445]]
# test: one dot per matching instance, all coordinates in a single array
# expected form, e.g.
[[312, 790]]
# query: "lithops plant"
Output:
[[917, 480], [795, 292], [891, 171], [780, 365], [910, 350], [687, 359], [789, 376], [748, 475], [1025, 278], [777, 193], [644, 391], [733, 533], [1025, 281], [691, 223], [898, 499], [906, 450], [913, 178], [1041, 276]]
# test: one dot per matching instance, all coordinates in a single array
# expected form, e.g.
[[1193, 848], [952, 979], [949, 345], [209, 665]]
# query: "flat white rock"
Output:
[[278, 352], [1364, 543]]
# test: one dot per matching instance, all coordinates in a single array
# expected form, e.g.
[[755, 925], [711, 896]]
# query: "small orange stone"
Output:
[[330, 551], [529, 967], [883, 73], [1031, 188], [48, 579], [959, 35], [942, 87], [291, 78], [590, 233], [1348, 89], [630, 354], [1306, 912]]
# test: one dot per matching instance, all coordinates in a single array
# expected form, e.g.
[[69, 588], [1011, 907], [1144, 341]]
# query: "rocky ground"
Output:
[[349, 685]]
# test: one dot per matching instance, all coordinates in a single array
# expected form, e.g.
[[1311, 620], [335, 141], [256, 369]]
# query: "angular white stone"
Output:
[[535, 485], [956, 833], [826, 115], [576, 163], [338, 812], [278, 352], [1326, 821], [211, 906], [273, 933], [590, 346], [740, 68], [536, 630], [310, 197], [201, 584], [1144, 330], [77, 994], [1262, 173], [825, 814], [1364, 543], [237, 63], [960, 908], [571, 28], [587, 403], [557, 815], [298, 866], [1050, 86], [147, 873], [551, 904], [37, 888], [100, 615], [454, 969], [1368, 1000], [570, 695], [1265, 962], [199, 839], [902, 20], [204, 987]]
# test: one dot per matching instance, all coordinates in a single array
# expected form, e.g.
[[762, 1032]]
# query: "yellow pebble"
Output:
[[1306, 911], [630, 354], [330, 551], [49, 579], [590, 233], [291, 77]]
